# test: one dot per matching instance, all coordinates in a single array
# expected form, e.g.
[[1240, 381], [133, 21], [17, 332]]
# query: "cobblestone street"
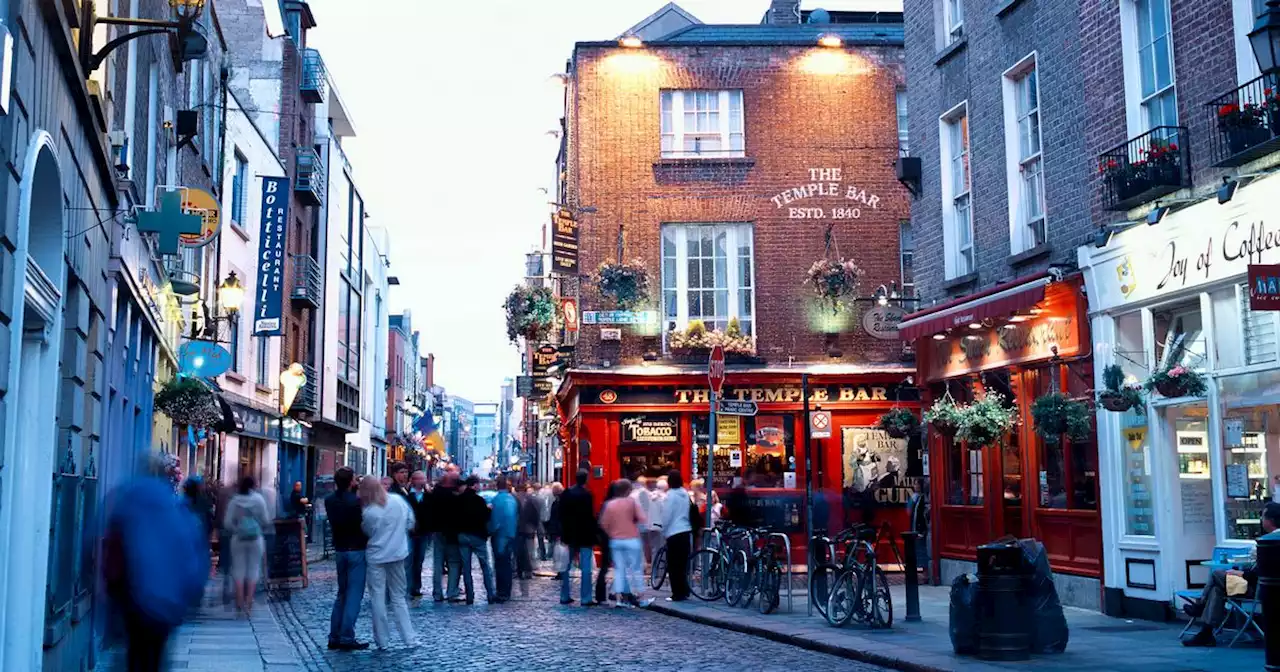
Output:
[[536, 632]]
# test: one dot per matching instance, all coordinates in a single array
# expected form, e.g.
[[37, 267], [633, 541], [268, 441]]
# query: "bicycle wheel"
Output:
[[736, 579], [877, 603], [820, 582], [658, 572], [704, 575], [842, 602], [769, 582]]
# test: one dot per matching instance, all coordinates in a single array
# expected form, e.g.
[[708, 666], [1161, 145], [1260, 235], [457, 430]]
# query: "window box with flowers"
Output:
[[1144, 168], [694, 344], [1243, 125]]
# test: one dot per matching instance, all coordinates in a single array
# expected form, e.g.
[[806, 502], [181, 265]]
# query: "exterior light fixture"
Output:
[[190, 44], [975, 326], [292, 379], [231, 293], [1265, 38], [831, 41], [1157, 214], [631, 42], [939, 336], [1228, 190], [882, 300]]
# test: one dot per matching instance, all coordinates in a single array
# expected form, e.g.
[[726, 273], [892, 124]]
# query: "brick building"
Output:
[[1182, 129], [997, 105], [723, 158]]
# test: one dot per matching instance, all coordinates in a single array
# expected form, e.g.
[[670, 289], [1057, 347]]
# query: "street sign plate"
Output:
[[734, 407], [715, 369], [619, 317], [820, 424]]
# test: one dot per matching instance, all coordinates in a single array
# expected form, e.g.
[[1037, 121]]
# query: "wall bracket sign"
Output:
[[619, 317]]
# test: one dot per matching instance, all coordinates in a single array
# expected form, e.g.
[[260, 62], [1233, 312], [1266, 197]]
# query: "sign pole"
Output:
[[808, 476], [711, 455]]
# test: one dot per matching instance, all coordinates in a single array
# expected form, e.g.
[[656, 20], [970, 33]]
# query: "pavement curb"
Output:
[[800, 642]]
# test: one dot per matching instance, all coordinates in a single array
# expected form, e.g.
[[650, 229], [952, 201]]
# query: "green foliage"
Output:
[[986, 421], [1056, 414], [834, 281], [531, 313], [1178, 381], [188, 401], [899, 423], [1113, 377], [945, 415], [626, 284]]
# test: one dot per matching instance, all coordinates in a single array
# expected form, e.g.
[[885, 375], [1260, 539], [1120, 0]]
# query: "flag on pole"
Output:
[[431, 439]]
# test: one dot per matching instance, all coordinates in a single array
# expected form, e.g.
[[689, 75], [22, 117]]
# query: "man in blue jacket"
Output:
[[502, 532]]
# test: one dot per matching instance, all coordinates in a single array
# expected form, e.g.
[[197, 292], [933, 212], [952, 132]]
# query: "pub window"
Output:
[[964, 466], [770, 453], [708, 275], [1068, 477], [702, 124]]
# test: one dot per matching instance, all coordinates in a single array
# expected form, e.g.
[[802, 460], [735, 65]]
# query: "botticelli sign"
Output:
[[1264, 287], [648, 429], [882, 322], [269, 298], [850, 199]]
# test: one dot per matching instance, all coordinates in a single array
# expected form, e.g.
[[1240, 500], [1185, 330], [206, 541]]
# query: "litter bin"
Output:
[[1004, 613]]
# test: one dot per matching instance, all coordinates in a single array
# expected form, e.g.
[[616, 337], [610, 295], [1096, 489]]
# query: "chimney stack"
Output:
[[784, 12]]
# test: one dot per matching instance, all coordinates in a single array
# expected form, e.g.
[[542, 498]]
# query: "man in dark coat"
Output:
[[444, 542], [419, 500], [578, 531], [473, 535]]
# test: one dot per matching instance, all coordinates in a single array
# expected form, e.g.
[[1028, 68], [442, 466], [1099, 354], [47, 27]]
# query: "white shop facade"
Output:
[[1192, 474]]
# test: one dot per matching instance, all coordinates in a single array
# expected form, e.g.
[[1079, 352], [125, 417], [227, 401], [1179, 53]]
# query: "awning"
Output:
[[230, 422], [999, 301]]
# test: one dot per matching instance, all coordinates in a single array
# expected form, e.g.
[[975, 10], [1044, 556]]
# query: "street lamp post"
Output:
[[1265, 38]]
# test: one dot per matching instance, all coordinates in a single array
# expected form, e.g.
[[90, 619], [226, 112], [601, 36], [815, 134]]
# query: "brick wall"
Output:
[[993, 44], [804, 109]]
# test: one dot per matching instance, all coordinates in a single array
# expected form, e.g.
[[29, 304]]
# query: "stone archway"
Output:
[[29, 438]]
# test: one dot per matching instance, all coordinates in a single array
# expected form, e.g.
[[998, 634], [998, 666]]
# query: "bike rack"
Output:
[[714, 533], [786, 541]]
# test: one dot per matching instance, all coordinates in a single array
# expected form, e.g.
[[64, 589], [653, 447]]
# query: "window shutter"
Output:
[[1259, 333]]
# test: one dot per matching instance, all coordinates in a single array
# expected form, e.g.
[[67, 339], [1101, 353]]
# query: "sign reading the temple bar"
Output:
[[268, 305], [650, 429], [1264, 287], [543, 358], [829, 183], [747, 400], [564, 242]]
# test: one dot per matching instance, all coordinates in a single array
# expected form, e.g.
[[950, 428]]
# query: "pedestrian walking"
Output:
[[657, 488], [503, 528], [445, 555], [543, 500], [473, 531], [386, 521], [530, 523], [225, 492], [553, 522], [155, 563], [621, 519], [247, 521], [349, 543], [678, 531], [200, 505], [578, 532], [606, 553], [643, 500], [419, 500], [399, 479]]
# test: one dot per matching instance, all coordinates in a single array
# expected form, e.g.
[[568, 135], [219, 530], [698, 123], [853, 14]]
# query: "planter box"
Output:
[[1240, 139], [700, 356]]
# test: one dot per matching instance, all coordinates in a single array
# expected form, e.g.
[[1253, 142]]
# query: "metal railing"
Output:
[[1145, 168], [309, 179], [1244, 124], [315, 79], [306, 280], [791, 570], [308, 400]]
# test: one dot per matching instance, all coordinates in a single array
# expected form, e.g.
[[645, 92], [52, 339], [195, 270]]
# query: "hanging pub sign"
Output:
[[268, 308], [882, 322], [1264, 287], [543, 358], [564, 242], [650, 429], [203, 359], [201, 202]]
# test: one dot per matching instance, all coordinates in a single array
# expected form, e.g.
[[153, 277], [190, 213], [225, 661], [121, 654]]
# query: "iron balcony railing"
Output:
[[308, 399], [310, 182], [1145, 168], [315, 80], [306, 281], [1245, 123]]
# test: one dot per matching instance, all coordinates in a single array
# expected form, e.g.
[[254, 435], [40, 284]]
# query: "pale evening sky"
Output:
[[452, 102]]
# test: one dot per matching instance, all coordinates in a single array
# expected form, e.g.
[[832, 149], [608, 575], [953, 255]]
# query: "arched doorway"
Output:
[[27, 447]]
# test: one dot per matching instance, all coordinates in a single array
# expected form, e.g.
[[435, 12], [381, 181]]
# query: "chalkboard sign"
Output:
[[287, 557]]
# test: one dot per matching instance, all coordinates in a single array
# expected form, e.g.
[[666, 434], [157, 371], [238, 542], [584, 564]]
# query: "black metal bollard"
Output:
[[912, 573], [1269, 593]]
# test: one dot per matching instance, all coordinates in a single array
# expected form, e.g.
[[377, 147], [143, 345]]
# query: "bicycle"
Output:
[[761, 574], [828, 564], [658, 570], [861, 589], [708, 568]]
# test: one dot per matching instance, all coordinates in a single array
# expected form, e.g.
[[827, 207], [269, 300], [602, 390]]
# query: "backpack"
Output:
[[248, 528]]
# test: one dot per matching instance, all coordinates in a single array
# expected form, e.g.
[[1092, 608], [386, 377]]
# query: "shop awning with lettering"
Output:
[[998, 302]]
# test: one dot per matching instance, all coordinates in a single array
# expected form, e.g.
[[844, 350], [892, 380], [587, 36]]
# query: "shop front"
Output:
[[1190, 474], [1021, 340], [652, 420]]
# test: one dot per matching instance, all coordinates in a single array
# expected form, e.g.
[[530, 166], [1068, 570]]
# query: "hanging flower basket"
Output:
[[531, 313], [1178, 381], [944, 416], [627, 284], [1056, 414], [899, 423], [1119, 396], [986, 421], [187, 401], [834, 281]]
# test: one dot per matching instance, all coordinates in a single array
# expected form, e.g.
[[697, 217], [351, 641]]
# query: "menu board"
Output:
[[288, 557], [1197, 506], [1237, 480]]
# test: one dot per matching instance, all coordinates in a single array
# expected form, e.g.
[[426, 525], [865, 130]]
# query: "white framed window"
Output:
[[1244, 14], [957, 220], [240, 190], [952, 20], [1157, 92], [1024, 155], [900, 106], [708, 274], [702, 124], [263, 376], [907, 254]]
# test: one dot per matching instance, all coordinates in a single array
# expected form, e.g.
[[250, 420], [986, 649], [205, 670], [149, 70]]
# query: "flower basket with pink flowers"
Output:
[[1177, 381], [834, 281]]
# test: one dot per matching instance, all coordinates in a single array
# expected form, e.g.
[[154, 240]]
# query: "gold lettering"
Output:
[[846, 394], [702, 396], [682, 396], [879, 394], [742, 394], [862, 395], [757, 394], [793, 394], [821, 394], [774, 395]]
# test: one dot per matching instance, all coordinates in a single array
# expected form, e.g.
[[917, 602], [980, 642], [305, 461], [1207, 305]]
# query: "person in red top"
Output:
[[621, 519]]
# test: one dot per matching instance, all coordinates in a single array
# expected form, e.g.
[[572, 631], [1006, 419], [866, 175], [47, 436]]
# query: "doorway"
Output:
[[1187, 442]]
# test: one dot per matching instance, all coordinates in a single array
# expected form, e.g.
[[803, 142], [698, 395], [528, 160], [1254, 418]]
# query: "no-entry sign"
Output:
[[820, 424], [715, 369]]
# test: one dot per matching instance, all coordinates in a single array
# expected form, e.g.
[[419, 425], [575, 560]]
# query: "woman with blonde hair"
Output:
[[386, 521], [246, 521]]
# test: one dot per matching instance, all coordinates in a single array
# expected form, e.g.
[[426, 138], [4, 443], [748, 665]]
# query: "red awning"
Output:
[[999, 301]]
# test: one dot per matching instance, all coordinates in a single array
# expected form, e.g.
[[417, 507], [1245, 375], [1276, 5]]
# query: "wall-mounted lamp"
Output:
[[231, 294], [186, 41], [1157, 214], [1265, 38], [1228, 190], [831, 41], [631, 42]]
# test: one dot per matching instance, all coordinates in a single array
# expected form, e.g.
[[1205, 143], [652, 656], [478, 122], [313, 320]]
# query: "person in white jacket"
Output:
[[645, 503], [246, 522], [387, 521]]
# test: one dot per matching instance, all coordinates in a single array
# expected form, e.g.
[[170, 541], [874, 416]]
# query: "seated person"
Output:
[[1212, 605]]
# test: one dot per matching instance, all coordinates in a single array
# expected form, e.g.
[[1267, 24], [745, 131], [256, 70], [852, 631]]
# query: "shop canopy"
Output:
[[998, 302]]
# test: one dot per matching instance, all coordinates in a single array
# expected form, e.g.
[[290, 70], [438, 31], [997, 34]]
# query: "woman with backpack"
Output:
[[245, 521]]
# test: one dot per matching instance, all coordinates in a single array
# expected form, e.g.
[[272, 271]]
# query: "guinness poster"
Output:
[[650, 429], [874, 466]]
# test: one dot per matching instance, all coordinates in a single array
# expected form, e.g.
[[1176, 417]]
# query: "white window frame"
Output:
[[672, 107], [733, 282], [1017, 167], [1243, 17], [901, 111], [952, 21], [1136, 116], [955, 262]]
